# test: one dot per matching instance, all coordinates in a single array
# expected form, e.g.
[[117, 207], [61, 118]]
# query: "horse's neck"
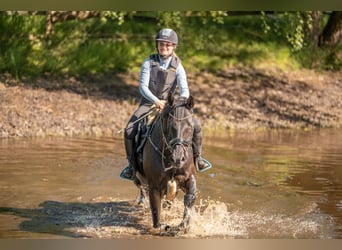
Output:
[[157, 133]]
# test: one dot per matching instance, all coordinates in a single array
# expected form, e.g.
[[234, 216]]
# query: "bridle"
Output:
[[173, 142], [169, 144]]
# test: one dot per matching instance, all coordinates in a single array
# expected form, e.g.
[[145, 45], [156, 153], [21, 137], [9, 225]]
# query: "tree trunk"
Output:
[[332, 32], [312, 29]]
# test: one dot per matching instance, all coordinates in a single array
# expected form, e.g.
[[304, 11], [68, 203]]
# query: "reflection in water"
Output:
[[272, 184], [289, 171]]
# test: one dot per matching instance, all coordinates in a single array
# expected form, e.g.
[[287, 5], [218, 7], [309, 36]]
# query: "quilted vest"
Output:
[[162, 82]]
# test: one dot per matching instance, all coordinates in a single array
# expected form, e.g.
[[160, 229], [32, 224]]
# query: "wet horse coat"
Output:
[[167, 156]]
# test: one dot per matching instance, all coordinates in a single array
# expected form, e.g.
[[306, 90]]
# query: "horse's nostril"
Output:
[[183, 158]]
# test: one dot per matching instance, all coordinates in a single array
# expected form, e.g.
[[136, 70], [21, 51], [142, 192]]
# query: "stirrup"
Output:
[[124, 173], [204, 169]]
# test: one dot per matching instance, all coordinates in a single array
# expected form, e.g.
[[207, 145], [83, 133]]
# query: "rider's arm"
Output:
[[144, 82], [182, 81]]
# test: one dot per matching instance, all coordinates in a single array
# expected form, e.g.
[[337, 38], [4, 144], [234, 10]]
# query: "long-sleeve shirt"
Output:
[[164, 64]]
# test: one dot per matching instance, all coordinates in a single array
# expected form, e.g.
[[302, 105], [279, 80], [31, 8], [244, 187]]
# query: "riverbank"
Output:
[[233, 99]]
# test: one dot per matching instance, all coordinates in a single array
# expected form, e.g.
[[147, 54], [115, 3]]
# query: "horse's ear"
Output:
[[190, 103]]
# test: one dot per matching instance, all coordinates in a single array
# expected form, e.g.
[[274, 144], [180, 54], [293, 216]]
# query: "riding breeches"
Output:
[[131, 131], [132, 126]]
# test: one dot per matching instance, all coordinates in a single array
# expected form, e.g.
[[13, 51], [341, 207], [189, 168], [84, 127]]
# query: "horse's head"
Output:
[[178, 129]]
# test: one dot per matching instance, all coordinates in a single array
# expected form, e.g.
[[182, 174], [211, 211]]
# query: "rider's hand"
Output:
[[160, 104]]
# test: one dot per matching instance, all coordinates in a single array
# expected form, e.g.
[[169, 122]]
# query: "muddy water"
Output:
[[262, 185]]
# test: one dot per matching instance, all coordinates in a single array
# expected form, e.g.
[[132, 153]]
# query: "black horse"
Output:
[[166, 161]]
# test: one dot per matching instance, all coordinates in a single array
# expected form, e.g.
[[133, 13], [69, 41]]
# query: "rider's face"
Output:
[[165, 49]]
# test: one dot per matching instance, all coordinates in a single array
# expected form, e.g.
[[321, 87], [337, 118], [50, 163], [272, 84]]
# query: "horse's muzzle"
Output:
[[179, 155]]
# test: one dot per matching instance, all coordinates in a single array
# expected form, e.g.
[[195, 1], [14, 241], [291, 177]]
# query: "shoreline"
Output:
[[233, 99]]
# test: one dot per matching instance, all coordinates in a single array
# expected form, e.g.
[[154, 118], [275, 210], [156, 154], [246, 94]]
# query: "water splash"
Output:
[[218, 220], [209, 219], [214, 219]]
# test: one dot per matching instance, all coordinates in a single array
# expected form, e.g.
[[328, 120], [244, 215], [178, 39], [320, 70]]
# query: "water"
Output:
[[277, 184]]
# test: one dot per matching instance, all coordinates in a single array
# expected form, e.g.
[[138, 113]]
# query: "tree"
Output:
[[312, 26], [60, 16], [332, 32]]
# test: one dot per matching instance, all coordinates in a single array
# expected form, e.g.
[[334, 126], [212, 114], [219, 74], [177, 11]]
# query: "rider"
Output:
[[159, 75]]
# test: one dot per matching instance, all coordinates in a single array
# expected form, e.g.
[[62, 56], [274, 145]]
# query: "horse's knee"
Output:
[[189, 200]]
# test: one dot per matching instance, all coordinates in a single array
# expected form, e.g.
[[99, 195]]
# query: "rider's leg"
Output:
[[128, 172], [130, 132], [129, 136], [201, 163]]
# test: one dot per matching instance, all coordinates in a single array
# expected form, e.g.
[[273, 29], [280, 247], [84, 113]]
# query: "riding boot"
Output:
[[200, 163], [129, 172]]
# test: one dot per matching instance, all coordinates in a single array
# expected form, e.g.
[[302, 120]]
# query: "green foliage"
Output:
[[120, 41], [82, 47], [288, 25], [170, 19], [318, 59], [18, 43], [238, 41], [75, 47], [211, 16], [119, 16]]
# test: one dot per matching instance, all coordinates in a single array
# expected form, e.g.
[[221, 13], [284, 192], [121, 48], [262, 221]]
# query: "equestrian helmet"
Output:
[[167, 35]]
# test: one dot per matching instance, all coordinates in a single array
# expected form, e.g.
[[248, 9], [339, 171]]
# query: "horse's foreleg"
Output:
[[189, 200], [155, 203]]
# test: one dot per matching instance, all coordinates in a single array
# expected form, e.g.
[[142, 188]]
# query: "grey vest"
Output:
[[162, 82]]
